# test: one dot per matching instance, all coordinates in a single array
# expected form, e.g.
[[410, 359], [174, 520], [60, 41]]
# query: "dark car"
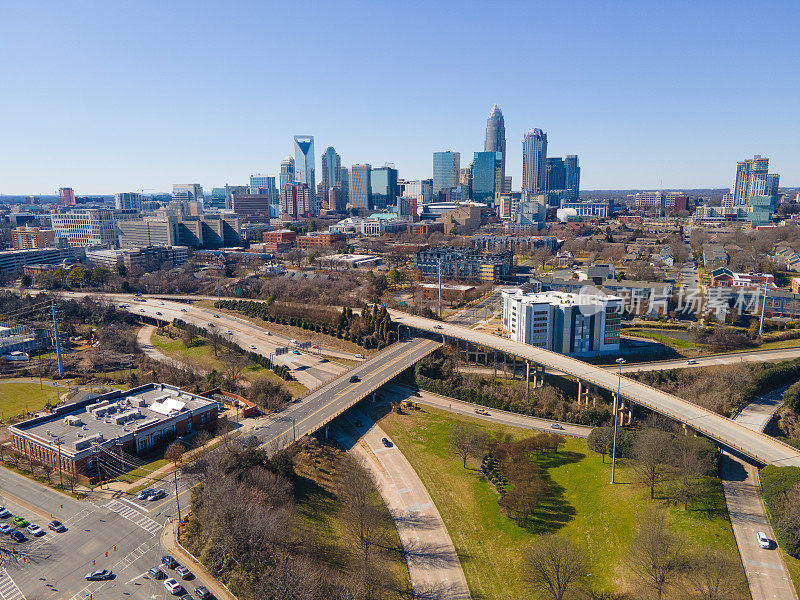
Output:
[[157, 573], [354, 379], [202, 592], [100, 575], [56, 526], [18, 536], [168, 561], [386, 442]]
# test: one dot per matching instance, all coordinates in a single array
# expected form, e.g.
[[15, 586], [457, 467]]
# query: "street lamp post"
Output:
[[620, 362]]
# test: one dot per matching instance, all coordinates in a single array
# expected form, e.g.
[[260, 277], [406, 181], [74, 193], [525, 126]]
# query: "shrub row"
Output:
[[778, 486]]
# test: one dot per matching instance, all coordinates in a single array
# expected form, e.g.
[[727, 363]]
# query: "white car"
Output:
[[5, 528], [173, 586], [34, 529], [4, 513], [252, 347], [359, 356], [691, 361], [763, 540]]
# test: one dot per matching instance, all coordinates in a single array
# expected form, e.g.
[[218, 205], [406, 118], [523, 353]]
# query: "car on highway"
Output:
[[481, 411], [763, 540], [35, 530], [202, 592], [156, 495], [229, 332], [295, 351], [359, 356], [268, 332], [168, 561], [184, 572], [18, 536], [100, 575], [56, 526], [293, 342], [173, 587], [216, 316], [691, 361], [556, 426], [354, 379], [183, 310], [252, 347], [386, 442], [144, 494], [437, 326], [4, 512], [160, 314], [20, 521], [5, 528], [157, 573], [141, 310]]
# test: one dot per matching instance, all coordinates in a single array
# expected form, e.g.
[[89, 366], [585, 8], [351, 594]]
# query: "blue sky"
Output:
[[116, 96]]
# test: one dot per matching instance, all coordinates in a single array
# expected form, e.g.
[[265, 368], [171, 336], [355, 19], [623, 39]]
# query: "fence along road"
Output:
[[756, 445]]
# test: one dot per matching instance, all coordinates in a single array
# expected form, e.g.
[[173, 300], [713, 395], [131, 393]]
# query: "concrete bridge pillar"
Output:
[[495, 363], [584, 392], [528, 380]]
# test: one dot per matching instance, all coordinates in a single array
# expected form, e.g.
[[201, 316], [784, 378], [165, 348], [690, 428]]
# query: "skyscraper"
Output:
[[331, 169], [556, 174], [487, 176], [534, 163], [344, 175], [496, 137], [304, 166], [191, 192], [128, 201], [753, 179], [295, 201], [67, 196], [360, 186], [383, 187], [445, 170], [263, 184], [573, 176], [287, 171]]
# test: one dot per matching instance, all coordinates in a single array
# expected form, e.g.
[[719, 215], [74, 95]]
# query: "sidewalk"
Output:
[[169, 539]]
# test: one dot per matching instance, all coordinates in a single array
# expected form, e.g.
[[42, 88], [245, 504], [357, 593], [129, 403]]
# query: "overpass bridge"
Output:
[[757, 446], [333, 398]]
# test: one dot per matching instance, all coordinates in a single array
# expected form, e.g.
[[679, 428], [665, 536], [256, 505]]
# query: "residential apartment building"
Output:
[[534, 163], [26, 238], [86, 227], [491, 243], [582, 325], [128, 201], [296, 199], [458, 263], [665, 201]]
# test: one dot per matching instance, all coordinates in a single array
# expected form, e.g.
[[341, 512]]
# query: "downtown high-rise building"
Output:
[[66, 196], [304, 170], [496, 139], [487, 176], [556, 174], [296, 202], [287, 172], [360, 186], [128, 201], [446, 167], [263, 184], [331, 169], [573, 176], [188, 192], [383, 187], [534, 164], [753, 179]]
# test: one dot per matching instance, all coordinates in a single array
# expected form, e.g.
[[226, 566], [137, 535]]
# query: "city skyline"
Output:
[[665, 109]]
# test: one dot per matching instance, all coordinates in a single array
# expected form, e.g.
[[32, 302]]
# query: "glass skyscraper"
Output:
[[573, 176], [263, 184], [446, 166], [304, 171], [534, 163], [496, 138], [331, 169], [287, 171], [556, 174], [487, 176], [360, 186], [383, 187]]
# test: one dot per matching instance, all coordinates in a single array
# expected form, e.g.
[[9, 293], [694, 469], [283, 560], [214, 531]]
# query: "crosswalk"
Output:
[[134, 516], [9, 589], [117, 567]]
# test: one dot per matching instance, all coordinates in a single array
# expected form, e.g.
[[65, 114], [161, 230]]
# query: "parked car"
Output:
[[56, 526], [4, 512], [386, 442], [156, 495], [184, 572], [173, 586], [763, 540], [17, 536], [295, 351], [5, 528], [157, 573], [354, 379], [20, 521], [168, 561], [555, 426], [359, 356], [35, 530], [144, 494], [691, 361], [101, 575], [202, 592]]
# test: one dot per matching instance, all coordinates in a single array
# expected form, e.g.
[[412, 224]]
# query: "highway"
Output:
[[756, 445], [714, 360]]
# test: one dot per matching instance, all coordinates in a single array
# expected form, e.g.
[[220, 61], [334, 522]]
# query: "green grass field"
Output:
[[583, 506], [16, 396]]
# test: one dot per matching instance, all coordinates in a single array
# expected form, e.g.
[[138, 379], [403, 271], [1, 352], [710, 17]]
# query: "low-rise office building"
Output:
[[574, 324], [322, 239], [13, 261], [99, 429]]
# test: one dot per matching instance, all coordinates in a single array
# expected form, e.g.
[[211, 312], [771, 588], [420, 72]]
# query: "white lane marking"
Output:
[[134, 516], [9, 589]]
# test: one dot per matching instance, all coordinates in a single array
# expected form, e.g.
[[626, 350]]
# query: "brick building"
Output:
[[26, 238]]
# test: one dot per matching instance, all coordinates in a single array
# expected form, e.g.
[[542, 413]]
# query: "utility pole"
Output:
[[620, 362], [177, 501], [57, 339], [440, 288], [763, 309]]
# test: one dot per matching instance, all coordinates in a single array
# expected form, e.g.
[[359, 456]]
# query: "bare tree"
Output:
[[467, 440], [656, 555], [235, 364], [651, 464], [714, 575], [601, 440], [554, 565], [174, 453], [691, 462]]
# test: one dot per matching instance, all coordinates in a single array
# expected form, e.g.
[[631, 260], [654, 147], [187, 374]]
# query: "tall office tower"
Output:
[[263, 184], [383, 187], [287, 171], [507, 184], [534, 163], [304, 170], [331, 170], [128, 201], [573, 176], [556, 174], [496, 136], [445, 170], [344, 177], [421, 189], [360, 186], [337, 200], [187, 191], [295, 201], [487, 176], [66, 196]]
